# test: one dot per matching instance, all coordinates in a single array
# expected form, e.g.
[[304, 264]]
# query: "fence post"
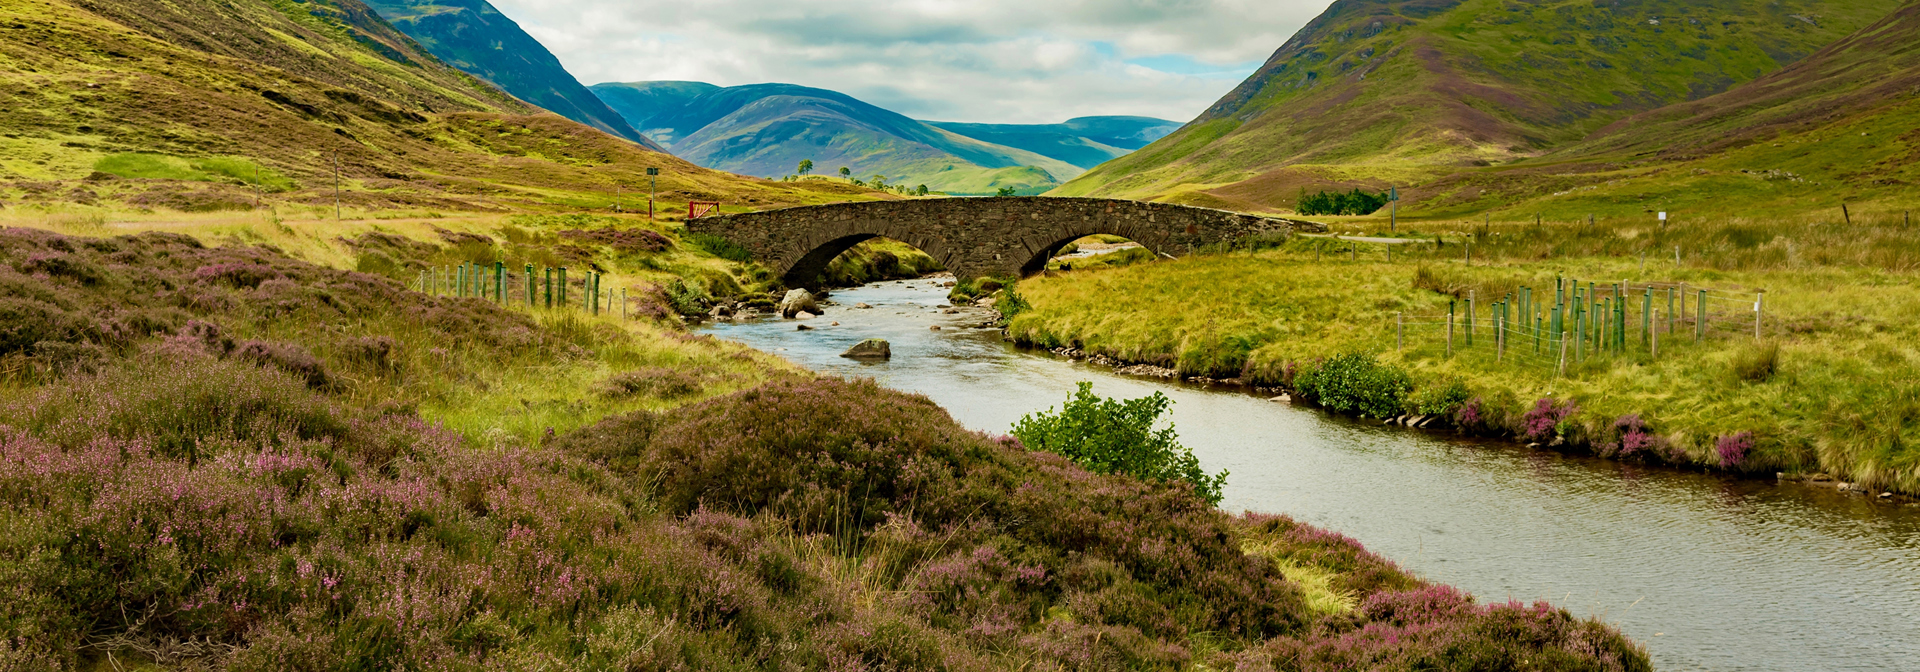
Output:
[[1450, 305], [500, 282], [1757, 300], [563, 287], [1400, 321], [1670, 293], [1653, 339], [1563, 354], [1700, 323], [532, 290]]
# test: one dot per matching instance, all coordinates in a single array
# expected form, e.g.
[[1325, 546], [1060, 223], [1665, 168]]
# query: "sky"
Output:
[[987, 61]]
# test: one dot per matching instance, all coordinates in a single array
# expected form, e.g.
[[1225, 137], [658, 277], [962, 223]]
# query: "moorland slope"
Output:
[[1833, 128], [1375, 92], [476, 38], [202, 105]]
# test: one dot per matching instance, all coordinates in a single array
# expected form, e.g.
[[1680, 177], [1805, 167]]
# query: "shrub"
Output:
[[1732, 449], [1543, 421], [1354, 202], [1441, 399], [720, 247], [287, 357], [656, 382], [1011, 304], [1757, 363], [1355, 383], [1635, 438], [1111, 436]]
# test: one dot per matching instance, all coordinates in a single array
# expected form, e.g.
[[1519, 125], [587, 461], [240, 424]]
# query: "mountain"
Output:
[[212, 104], [1084, 142], [1835, 127], [767, 129], [1378, 92], [473, 36], [639, 102]]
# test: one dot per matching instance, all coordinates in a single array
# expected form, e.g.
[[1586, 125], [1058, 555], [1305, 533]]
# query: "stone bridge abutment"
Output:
[[975, 237]]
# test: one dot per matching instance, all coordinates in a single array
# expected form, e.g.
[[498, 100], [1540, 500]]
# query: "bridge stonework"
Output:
[[975, 237]]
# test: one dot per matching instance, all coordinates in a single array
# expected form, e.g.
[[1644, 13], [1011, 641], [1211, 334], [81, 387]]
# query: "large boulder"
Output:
[[872, 348], [798, 301]]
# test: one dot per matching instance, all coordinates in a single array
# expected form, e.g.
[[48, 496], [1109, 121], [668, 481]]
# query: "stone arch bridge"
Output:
[[976, 237]]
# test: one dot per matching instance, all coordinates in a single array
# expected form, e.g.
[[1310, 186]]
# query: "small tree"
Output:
[[879, 181], [922, 189], [1117, 437], [806, 166], [1007, 191], [846, 172]]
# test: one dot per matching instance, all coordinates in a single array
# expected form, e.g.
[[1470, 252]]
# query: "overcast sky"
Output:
[[998, 61]]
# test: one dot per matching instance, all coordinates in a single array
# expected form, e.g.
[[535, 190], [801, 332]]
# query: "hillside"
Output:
[[201, 105], [1374, 92], [473, 36], [768, 129], [639, 102], [1833, 128], [1084, 142]]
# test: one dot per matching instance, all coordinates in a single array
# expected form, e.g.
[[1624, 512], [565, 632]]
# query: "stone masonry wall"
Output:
[[976, 236]]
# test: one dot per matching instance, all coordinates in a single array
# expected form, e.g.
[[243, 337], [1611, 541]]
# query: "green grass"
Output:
[[211, 169], [1839, 306]]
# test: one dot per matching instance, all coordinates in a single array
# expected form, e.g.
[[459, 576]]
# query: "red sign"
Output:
[[698, 209]]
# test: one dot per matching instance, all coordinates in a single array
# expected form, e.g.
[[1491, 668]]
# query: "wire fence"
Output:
[[545, 288], [1555, 327]]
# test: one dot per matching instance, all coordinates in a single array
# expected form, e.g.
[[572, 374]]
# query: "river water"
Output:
[[1710, 573]]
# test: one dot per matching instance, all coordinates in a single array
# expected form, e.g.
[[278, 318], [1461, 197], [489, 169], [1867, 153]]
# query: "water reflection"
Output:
[[1710, 573]]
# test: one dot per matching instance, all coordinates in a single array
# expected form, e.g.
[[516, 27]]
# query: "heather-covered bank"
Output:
[[226, 458]]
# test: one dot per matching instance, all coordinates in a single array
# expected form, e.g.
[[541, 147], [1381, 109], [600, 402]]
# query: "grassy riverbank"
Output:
[[1827, 387], [219, 453]]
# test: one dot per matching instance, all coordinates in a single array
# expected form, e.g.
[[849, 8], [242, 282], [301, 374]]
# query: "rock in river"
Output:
[[797, 301], [872, 348]]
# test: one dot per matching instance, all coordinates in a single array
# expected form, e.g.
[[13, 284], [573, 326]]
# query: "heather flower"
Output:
[[1543, 421], [1733, 448]]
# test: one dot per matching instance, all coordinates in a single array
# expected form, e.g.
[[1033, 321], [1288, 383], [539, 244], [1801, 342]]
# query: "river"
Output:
[[1709, 572]]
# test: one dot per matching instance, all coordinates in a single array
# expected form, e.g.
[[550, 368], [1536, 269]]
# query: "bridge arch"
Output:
[[976, 236]]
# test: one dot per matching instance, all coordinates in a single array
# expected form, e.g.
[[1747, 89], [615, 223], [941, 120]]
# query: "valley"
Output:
[[362, 334]]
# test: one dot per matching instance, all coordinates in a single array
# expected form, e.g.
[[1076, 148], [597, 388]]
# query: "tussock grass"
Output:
[[1838, 329]]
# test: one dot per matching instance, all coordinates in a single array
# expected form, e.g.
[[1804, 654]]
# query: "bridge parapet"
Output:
[[976, 236]]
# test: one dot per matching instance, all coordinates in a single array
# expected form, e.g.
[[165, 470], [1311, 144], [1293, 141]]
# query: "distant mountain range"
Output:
[[1380, 92], [768, 129], [476, 38]]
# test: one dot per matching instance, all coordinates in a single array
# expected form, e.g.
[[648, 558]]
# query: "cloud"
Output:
[[1001, 61]]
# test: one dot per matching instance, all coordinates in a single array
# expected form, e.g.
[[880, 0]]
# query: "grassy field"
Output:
[[1828, 386], [220, 453]]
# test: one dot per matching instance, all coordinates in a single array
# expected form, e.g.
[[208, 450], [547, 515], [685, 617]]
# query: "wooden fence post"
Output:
[[1400, 320], [1450, 305], [1758, 299], [563, 287], [1700, 322]]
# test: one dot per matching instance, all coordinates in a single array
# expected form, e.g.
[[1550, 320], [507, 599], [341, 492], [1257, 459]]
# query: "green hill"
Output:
[[1084, 142], [1375, 92], [221, 104], [768, 129], [473, 36], [640, 102], [1835, 127]]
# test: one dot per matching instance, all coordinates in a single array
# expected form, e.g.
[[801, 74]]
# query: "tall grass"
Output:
[[1837, 323]]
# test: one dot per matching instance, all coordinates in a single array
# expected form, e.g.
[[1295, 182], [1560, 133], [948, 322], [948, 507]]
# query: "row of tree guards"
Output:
[[547, 288], [1588, 320]]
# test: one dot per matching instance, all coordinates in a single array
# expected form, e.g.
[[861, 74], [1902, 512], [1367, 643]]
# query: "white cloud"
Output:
[[1000, 61]]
